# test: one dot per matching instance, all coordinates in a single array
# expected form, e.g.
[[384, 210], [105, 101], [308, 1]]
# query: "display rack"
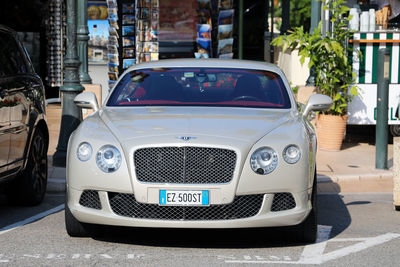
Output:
[[113, 43], [147, 14], [55, 29], [225, 29]]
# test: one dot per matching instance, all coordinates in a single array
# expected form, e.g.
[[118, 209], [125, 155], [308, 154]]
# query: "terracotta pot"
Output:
[[330, 131]]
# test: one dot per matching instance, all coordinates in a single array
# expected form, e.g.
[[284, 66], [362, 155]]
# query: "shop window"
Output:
[[178, 20]]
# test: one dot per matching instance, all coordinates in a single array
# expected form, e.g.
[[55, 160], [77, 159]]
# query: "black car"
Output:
[[23, 129]]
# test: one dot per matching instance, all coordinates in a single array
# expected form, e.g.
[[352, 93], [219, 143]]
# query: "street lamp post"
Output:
[[83, 38], [71, 114]]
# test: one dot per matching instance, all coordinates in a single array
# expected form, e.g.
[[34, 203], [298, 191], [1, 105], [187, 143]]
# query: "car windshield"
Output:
[[200, 87]]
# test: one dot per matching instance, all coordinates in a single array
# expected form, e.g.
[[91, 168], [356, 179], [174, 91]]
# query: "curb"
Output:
[[337, 178]]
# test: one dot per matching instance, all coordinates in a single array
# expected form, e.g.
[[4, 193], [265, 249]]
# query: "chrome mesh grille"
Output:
[[242, 207], [188, 165], [283, 201], [90, 199]]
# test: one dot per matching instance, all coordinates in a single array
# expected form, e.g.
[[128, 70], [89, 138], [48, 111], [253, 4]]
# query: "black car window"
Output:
[[11, 59], [201, 86]]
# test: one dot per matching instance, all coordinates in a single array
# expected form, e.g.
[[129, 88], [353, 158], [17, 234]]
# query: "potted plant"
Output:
[[334, 77]]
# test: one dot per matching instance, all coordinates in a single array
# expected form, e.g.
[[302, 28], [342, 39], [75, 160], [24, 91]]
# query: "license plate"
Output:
[[184, 198]]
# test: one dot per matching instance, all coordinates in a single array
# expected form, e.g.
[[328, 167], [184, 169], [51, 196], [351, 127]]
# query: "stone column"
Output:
[[396, 172]]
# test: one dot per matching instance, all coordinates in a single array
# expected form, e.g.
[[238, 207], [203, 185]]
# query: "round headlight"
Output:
[[291, 154], [264, 160], [84, 151], [108, 158]]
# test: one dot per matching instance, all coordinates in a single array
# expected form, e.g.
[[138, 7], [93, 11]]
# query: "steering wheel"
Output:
[[242, 97]]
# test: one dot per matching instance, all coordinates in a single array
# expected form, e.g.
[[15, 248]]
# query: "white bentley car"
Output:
[[195, 144]]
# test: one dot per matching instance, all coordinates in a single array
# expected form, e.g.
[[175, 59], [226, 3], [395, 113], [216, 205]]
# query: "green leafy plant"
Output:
[[295, 89], [302, 11], [329, 56]]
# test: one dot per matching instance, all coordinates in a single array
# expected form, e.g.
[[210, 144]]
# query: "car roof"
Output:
[[209, 62]]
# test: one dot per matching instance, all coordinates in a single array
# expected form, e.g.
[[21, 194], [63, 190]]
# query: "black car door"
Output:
[[20, 94], [4, 125], [16, 84]]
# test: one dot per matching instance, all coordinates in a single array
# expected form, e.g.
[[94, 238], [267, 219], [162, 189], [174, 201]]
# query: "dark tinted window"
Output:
[[201, 87], [11, 59]]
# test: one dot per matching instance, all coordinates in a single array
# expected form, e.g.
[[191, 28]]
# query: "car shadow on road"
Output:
[[198, 238], [332, 212]]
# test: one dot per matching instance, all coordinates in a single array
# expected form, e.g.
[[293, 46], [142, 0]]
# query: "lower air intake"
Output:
[[242, 207], [283, 201], [90, 199]]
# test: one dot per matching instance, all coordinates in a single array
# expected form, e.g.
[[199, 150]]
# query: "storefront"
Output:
[[386, 34], [126, 32], [363, 108], [147, 30]]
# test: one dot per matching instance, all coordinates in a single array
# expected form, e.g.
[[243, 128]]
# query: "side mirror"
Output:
[[87, 100], [317, 102]]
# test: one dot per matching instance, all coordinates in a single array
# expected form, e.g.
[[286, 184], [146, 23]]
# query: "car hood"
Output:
[[245, 124]]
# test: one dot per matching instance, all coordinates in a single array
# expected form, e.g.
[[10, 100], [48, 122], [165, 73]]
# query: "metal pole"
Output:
[[241, 29], [83, 38], [271, 37], [285, 16], [315, 18], [382, 109], [266, 33], [315, 15], [71, 114]]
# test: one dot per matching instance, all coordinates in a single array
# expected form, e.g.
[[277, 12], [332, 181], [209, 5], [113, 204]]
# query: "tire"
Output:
[[74, 227], [394, 130], [29, 187], [307, 230]]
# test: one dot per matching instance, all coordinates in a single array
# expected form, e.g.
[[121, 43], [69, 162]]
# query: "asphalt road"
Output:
[[355, 230]]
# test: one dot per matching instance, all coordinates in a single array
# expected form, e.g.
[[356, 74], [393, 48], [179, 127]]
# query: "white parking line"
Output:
[[312, 253], [370, 242], [36, 217]]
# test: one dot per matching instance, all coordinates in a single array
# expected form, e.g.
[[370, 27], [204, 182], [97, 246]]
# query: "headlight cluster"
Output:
[[265, 160], [108, 157]]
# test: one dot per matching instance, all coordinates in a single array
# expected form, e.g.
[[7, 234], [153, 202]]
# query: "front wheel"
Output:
[[307, 230], [395, 129], [74, 227], [29, 187]]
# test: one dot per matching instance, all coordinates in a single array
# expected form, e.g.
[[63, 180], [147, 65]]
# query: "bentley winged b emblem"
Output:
[[186, 138]]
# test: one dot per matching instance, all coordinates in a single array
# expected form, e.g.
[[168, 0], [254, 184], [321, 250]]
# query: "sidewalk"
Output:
[[353, 170], [350, 170]]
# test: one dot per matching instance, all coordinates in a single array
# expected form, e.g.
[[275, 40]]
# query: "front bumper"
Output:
[[264, 215]]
